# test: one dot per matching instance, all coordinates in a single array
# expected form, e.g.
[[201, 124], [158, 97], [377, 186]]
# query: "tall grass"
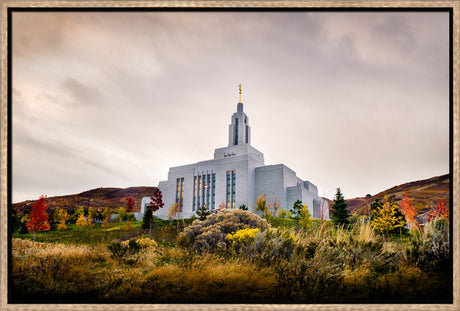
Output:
[[317, 265], [77, 273]]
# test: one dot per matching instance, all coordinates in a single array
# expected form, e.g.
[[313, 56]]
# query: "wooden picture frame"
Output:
[[7, 5]]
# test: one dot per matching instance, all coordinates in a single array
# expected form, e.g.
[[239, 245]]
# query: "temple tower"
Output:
[[239, 131]]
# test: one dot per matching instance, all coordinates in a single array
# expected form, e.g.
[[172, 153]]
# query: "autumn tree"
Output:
[[156, 202], [122, 213], [38, 218], [276, 205], [340, 214], [76, 214], [173, 210], [408, 211], [283, 213], [261, 205], [84, 222], [62, 217], [305, 220], [128, 226], [387, 217], [439, 211], [129, 205]]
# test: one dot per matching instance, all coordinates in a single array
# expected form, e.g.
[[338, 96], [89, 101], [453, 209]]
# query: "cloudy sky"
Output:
[[358, 100]]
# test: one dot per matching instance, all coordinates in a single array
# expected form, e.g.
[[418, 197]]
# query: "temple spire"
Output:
[[240, 94]]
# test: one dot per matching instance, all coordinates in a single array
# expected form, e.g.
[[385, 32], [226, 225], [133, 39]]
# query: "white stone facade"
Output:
[[237, 175]]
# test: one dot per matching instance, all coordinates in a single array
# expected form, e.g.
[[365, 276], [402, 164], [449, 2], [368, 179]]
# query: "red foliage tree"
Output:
[[440, 211], [38, 219], [129, 205], [408, 210], [156, 200]]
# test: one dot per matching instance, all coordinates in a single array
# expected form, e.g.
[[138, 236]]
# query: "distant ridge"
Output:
[[113, 198], [424, 193]]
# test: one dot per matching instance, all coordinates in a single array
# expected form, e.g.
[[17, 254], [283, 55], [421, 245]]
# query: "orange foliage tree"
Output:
[[38, 219], [276, 205], [440, 211], [408, 211]]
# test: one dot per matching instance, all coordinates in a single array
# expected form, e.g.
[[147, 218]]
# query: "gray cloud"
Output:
[[80, 92], [356, 100]]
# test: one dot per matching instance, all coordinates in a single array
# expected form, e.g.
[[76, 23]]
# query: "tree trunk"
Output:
[[150, 229]]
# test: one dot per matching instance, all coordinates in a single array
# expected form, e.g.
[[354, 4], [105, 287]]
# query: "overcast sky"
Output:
[[358, 101]]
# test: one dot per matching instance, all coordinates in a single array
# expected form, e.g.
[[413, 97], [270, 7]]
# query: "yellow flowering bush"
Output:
[[243, 237]]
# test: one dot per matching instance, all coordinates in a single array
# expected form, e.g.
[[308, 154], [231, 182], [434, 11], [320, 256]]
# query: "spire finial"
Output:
[[240, 94]]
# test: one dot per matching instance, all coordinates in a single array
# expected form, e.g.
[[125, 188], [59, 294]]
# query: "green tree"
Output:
[[387, 217], [243, 207], [147, 219], [295, 210], [15, 219], [203, 212], [76, 214], [340, 214]]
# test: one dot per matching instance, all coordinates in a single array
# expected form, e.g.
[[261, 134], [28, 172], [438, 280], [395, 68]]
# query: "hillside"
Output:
[[113, 198], [424, 193]]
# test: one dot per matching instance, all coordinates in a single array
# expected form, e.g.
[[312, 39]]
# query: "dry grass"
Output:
[[78, 273], [336, 265]]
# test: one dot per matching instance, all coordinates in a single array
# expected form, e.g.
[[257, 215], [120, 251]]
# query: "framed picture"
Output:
[[334, 179]]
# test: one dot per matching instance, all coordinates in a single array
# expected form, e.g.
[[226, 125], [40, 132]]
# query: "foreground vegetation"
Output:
[[233, 257]]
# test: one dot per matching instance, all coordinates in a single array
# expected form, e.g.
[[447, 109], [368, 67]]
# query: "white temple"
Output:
[[237, 175]]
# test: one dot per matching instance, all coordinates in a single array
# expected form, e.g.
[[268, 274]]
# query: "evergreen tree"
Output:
[[147, 219], [296, 208], [15, 219], [203, 212], [243, 207], [340, 213]]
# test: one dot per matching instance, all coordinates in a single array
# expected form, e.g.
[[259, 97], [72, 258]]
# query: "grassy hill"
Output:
[[424, 193], [113, 198]]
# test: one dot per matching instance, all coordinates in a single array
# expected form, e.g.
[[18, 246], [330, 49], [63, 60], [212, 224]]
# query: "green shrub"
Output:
[[209, 235], [430, 249], [270, 246], [127, 251]]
